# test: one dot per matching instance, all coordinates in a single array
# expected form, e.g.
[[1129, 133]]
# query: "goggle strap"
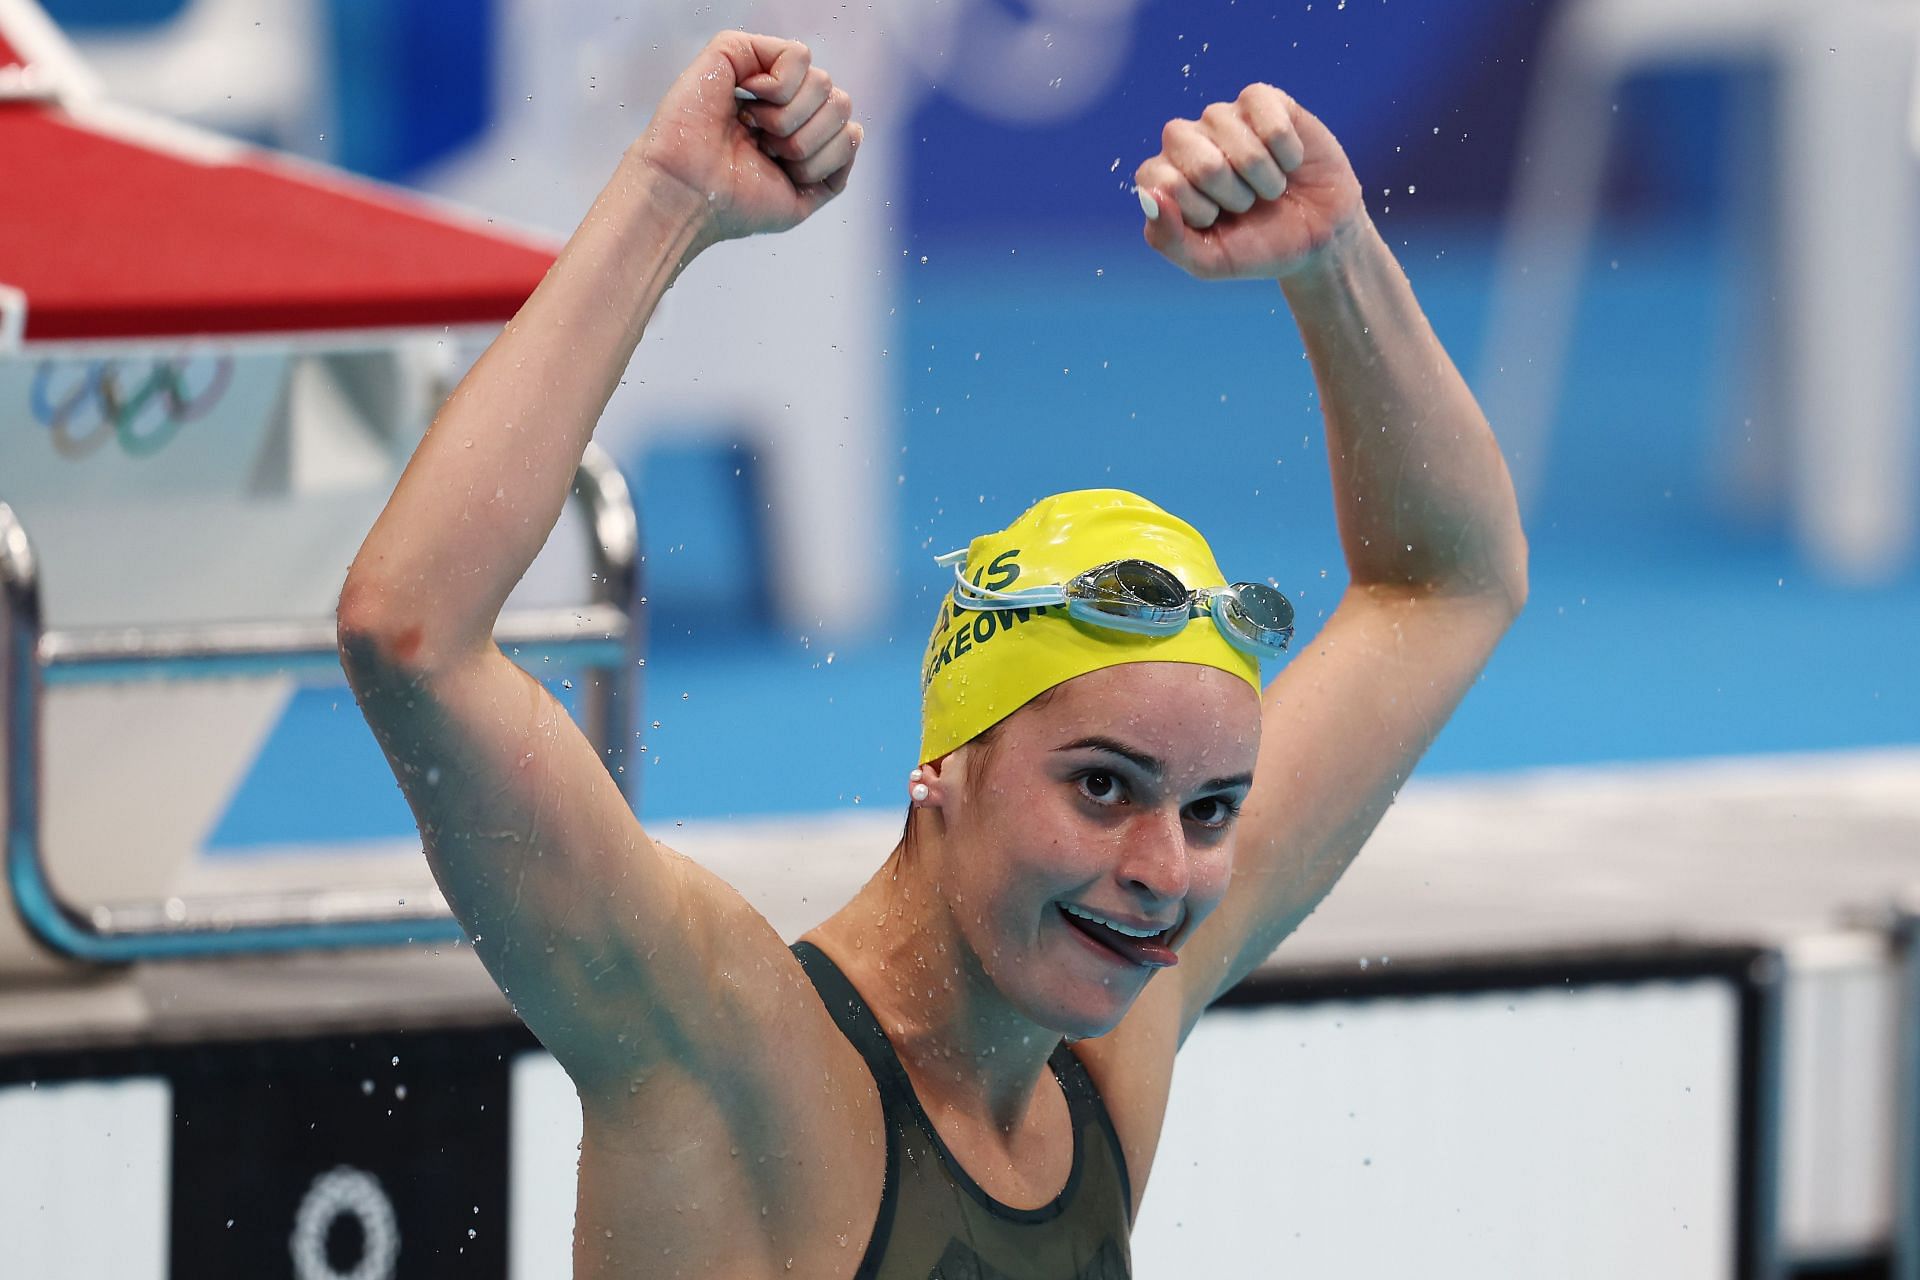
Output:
[[1118, 620], [1260, 642], [969, 596]]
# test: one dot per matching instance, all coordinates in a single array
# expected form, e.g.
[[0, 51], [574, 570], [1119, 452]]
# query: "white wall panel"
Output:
[[1585, 1134], [544, 1142], [84, 1172], [1839, 1088]]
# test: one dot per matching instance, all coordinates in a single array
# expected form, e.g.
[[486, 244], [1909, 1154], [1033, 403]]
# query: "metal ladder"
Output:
[[602, 639]]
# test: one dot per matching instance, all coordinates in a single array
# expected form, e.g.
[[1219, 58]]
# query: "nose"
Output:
[[1156, 863]]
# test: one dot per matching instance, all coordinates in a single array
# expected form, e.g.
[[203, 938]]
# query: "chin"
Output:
[[1079, 1022]]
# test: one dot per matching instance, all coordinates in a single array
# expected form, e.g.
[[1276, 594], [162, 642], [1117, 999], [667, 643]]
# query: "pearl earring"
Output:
[[919, 792]]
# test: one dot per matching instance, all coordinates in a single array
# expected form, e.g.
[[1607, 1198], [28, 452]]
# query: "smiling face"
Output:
[[1116, 795]]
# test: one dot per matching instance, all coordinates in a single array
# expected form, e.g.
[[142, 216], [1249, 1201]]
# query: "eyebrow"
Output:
[[1151, 765]]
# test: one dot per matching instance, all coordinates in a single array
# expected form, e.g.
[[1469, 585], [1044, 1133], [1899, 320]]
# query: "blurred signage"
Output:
[[368, 1159]]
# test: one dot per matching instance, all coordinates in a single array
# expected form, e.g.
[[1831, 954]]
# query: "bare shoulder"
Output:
[[771, 1148], [762, 1043], [1132, 1066]]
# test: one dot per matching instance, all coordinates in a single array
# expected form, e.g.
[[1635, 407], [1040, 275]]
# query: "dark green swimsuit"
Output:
[[937, 1223]]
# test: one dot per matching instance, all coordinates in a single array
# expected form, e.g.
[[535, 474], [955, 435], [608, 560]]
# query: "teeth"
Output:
[[1084, 914]]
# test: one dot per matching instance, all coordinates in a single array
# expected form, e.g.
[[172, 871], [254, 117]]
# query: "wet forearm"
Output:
[[1421, 491]]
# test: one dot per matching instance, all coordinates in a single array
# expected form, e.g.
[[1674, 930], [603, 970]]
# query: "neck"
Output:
[[967, 1049]]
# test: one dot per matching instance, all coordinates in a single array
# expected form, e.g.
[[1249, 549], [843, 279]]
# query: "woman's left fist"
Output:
[[1256, 187]]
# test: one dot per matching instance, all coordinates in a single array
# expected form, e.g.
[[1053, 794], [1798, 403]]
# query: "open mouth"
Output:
[[1151, 952]]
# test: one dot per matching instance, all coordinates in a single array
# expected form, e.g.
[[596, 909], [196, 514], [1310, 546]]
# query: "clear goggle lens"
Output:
[[1143, 597], [1135, 589]]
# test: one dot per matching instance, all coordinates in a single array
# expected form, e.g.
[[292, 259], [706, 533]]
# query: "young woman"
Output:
[[1111, 823]]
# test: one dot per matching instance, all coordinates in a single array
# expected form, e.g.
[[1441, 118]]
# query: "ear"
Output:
[[936, 777]]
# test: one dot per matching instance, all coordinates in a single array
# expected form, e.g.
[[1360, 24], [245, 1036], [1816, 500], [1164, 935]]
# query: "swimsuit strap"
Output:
[[1089, 1110], [857, 1023], [862, 1030], [1086, 1109], [932, 1214]]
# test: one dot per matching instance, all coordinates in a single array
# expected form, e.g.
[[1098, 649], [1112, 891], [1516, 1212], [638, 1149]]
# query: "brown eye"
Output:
[[1099, 786], [1214, 811]]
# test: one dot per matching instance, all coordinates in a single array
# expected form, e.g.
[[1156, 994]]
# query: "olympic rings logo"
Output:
[[141, 403]]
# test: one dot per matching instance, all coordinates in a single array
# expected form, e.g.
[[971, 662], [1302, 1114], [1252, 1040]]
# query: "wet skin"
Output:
[[1117, 794], [958, 945], [730, 1129]]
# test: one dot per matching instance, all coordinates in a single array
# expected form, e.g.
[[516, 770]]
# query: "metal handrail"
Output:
[[303, 649], [603, 639], [1906, 1181]]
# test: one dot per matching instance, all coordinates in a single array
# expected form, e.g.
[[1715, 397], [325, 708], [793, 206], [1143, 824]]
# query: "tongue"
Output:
[[1147, 951]]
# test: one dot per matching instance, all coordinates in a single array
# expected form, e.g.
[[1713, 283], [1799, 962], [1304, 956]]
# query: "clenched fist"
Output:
[[763, 159], [1255, 187]]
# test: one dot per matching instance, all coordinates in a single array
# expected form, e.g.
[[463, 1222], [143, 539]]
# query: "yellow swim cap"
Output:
[[982, 666]]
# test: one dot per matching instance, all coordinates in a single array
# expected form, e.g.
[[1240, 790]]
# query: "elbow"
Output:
[[355, 612], [1513, 579], [1493, 575], [384, 633], [371, 636]]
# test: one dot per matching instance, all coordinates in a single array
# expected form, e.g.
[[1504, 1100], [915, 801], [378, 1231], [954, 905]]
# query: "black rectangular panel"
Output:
[[313, 1158]]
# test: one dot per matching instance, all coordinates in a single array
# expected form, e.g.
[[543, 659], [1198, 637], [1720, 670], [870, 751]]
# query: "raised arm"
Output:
[[488, 482], [1259, 188], [600, 937]]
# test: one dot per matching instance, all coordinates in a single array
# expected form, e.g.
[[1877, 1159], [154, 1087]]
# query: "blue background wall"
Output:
[[1661, 624]]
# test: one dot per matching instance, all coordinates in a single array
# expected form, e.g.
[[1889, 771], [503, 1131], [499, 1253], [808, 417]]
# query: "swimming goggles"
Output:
[[1141, 597]]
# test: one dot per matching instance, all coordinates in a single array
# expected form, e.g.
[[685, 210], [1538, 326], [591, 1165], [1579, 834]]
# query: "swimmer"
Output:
[[964, 1070]]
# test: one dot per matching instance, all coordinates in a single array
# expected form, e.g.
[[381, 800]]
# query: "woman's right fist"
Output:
[[762, 159]]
